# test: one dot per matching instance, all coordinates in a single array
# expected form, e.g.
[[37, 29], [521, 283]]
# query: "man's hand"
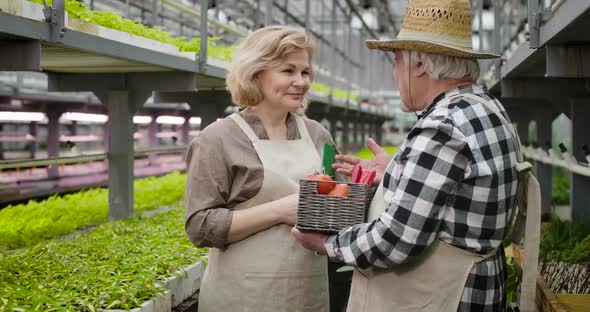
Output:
[[311, 241], [378, 163]]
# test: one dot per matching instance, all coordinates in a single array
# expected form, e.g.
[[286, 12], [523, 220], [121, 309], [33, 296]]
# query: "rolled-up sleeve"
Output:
[[208, 217]]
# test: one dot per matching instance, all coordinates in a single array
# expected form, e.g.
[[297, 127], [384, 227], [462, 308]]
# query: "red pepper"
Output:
[[357, 172], [368, 177]]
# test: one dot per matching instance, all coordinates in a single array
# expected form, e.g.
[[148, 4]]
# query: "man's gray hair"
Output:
[[444, 67]]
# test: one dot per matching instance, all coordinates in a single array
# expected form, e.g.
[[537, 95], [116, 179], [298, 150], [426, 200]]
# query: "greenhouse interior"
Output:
[[217, 155]]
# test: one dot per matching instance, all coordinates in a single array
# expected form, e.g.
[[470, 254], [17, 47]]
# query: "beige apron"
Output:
[[269, 271], [435, 280]]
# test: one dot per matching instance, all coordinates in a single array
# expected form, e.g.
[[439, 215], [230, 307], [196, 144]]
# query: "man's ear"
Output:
[[420, 68]]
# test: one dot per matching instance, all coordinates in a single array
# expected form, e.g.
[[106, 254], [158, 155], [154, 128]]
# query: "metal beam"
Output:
[[550, 89], [20, 55], [165, 81], [568, 61], [207, 104], [98, 45]]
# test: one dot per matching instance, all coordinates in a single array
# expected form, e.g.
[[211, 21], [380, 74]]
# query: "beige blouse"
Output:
[[224, 170]]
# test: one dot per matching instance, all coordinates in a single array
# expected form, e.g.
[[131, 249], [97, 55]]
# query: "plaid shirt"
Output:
[[453, 179]]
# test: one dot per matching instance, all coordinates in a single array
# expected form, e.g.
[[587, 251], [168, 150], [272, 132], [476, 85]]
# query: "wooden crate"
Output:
[[548, 301]]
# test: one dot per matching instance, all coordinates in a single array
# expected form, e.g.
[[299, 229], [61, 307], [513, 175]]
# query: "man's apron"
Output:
[[435, 280], [269, 271]]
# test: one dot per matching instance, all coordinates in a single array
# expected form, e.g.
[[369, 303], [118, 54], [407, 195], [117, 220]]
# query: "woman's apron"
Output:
[[269, 271], [435, 280]]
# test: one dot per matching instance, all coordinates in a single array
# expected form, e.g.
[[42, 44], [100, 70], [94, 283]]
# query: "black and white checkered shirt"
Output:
[[453, 179]]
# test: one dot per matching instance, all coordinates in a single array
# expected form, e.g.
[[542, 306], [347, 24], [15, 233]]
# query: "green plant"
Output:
[[366, 153], [561, 187], [566, 241], [116, 266], [338, 93], [31, 223], [514, 273], [78, 10]]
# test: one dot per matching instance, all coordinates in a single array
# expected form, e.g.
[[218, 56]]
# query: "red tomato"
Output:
[[339, 190], [323, 187]]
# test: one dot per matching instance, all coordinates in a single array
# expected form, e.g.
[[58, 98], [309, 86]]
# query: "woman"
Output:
[[241, 195]]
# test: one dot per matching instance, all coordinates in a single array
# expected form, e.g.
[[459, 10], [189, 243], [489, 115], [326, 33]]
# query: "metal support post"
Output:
[[204, 35], [363, 126], [286, 16], [544, 172], [185, 130], [268, 12], [307, 18], [74, 128], [105, 137], [153, 139], [127, 9], [33, 130], [522, 127], [534, 21], [333, 121], [480, 22], [580, 186], [379, 132], [55, 15], [256, 18], [497, 36], [345, 134], [1, 143], [155, 9], [53, 140], [334, 62], [121, 105], [355, 135]]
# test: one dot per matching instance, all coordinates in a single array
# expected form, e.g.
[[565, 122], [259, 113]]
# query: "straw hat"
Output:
[[435, 26]]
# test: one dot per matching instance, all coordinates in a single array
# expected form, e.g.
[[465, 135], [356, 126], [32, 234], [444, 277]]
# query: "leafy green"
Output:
[[366, 153], [116, 266], [561, 187], [566, 241], [78, 10], [514, 272], [338, 93], [31, 223]]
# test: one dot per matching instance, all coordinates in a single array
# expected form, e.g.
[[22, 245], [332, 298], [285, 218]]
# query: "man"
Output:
[[444, 204]]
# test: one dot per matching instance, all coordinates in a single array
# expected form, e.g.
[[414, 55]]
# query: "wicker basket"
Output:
[[323, 213]]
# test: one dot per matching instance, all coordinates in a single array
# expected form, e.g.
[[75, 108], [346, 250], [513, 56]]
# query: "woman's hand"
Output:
[[287, 209], [378, 163]]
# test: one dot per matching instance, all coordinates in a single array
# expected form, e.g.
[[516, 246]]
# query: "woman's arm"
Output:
[[209, 220], [259, 218]]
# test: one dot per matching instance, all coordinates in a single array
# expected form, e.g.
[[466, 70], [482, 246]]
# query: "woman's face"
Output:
[[285, 85]]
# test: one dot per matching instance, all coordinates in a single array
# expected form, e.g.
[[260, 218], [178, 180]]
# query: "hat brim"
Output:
[[426, 46]]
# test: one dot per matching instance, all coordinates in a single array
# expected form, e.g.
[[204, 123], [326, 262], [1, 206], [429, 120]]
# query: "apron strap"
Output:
[[302, 128], [527, 213], [245, 127]]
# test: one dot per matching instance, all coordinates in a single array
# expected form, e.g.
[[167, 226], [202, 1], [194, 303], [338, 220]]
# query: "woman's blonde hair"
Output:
[[262, 50]]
